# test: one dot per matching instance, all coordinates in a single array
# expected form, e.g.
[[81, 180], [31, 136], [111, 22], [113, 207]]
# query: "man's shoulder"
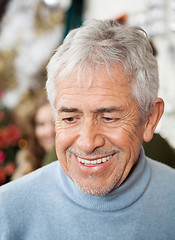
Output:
[[30, 182], [162, 176], [23, 202], [159, 166]]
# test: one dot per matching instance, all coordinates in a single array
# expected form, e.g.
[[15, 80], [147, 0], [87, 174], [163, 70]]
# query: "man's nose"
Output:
[[90, 136]]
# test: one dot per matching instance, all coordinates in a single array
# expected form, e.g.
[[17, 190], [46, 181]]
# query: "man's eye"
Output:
[[110, 120], [69, 119], [107, 119]]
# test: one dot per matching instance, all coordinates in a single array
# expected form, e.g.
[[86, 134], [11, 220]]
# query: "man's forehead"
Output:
[[103, 76], [96, 99]]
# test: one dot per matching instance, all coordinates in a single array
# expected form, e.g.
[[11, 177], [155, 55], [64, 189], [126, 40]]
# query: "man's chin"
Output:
[[94, 189]]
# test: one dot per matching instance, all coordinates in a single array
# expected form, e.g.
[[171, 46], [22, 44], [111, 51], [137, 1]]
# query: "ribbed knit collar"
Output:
[[125, 195]]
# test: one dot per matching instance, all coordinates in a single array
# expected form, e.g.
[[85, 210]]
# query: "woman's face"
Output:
[[44, 127]]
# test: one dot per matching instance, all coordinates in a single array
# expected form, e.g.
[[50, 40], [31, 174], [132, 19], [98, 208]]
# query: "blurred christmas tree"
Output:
[[9, 137]]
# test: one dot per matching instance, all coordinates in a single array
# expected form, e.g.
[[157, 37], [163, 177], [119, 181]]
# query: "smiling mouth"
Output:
[[94, 162]]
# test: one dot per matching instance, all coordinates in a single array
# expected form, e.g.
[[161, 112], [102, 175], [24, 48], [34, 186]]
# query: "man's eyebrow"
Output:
[[68, 110], [98, 110], [108, 110]]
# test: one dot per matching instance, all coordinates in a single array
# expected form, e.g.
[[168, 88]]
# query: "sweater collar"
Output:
[[124, 196]]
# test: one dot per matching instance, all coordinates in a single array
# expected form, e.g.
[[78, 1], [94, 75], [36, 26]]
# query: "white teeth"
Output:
[[93, 162], [99, 160], [86, 162], [103, 159], [83, 161]]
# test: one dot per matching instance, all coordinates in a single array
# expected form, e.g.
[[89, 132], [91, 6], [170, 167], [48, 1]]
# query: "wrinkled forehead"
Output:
[[94, 76]]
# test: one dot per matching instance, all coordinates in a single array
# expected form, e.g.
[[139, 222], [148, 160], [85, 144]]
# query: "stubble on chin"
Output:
[[91, 188]]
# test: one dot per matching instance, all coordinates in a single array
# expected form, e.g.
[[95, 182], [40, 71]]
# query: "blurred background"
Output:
[[31, 30]]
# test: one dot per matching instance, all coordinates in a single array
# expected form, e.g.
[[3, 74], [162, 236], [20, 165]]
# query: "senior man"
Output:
[[103, 88]]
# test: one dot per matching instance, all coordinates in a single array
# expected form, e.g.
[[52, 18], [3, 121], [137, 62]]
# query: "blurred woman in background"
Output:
[[40, 142]]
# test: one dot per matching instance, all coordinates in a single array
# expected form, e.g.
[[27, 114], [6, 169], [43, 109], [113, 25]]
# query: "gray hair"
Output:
[[107, 43]]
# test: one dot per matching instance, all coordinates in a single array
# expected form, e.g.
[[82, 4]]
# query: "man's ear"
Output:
[[153, 119]]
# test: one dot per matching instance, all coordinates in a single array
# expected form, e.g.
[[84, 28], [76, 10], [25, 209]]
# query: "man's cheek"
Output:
[[63, 140], [58, 128]]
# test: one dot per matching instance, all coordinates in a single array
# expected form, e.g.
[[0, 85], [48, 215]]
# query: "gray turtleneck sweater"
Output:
[[47, 205]]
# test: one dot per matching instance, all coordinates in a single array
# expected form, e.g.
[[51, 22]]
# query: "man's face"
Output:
[[98, 132]]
